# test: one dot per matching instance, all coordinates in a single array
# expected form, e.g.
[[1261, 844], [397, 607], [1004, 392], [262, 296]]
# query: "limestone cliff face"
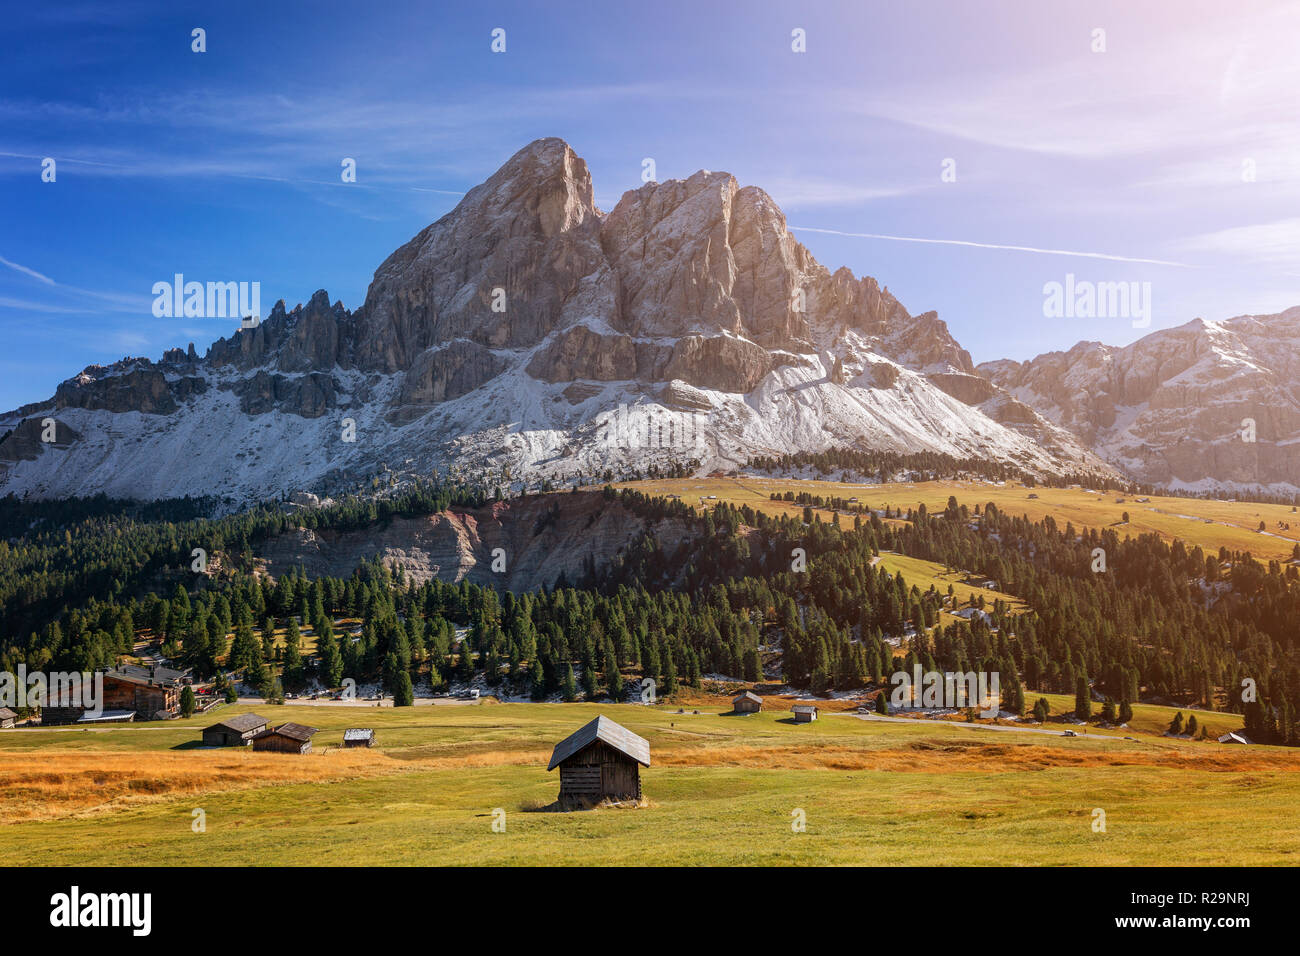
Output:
[[544, 539], [532, 231], [143, 388], [456, 369]]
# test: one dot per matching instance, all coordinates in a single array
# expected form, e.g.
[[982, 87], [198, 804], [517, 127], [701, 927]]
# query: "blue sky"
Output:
[[225, 165]]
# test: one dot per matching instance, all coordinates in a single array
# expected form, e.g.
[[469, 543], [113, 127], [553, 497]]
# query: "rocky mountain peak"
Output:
[[499, 269], [528, 330]]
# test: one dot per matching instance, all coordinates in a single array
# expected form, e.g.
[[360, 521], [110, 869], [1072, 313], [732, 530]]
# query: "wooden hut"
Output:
[[600, 761], [747, 703], [358, 737], [237, 731], [1234, 737], [7, 718], [804, 713], [286, 739]]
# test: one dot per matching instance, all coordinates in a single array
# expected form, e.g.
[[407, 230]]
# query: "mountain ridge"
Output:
[[527, 333], [1201, 406]]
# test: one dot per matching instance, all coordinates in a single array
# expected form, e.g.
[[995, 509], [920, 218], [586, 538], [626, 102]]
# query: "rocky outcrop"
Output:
[[456, 369], [544, 539], [881, 375], [307, 396], [721, 362], [26, 440], [313, 342], [580, 353], [971, 389], [144, 388]]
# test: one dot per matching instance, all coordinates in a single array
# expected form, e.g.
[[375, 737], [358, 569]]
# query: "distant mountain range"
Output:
[[529, 334]]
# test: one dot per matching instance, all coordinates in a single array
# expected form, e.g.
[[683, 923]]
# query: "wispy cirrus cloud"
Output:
[[1275, 244]]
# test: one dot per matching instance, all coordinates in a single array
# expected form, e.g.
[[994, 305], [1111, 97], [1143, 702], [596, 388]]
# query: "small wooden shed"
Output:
[[237, 731], [288, 738], [600, 761], [804, 713], [7, 718], [747, 703], [1234, 737], [358, 737]]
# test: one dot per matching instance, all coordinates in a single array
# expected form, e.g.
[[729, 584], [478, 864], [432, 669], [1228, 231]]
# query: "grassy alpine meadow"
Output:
[[1210, 523], [722, 789]]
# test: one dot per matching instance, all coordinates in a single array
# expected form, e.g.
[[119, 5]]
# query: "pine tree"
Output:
[[569, 689], [537, 679], [187, 702], [1082, 698], [404, 693], [331, 661], [1176, 725], [614, 681], [293, 666]]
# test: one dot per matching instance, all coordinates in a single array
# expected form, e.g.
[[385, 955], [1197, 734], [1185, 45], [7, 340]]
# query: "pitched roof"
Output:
[[804, 708], [747, 695], [291, 730], [1235, 735], [241, 723], [358, 733], [602, 728], [6, 713], [143, 675]]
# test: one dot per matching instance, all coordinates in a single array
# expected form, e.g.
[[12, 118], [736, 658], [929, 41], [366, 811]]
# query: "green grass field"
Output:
[[721, 790], [926, 574]]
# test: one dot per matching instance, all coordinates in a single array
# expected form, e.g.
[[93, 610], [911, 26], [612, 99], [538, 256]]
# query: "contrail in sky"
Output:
[[992, 245]]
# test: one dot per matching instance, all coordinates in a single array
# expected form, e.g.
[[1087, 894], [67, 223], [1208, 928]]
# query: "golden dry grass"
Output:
[[719, 791], [1209, 523], [944, 757], [88, 784], [34, 786]]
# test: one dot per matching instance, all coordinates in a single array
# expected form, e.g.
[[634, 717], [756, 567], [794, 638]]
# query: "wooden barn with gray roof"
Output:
[[237, 731], [288, 738], [600, 761]]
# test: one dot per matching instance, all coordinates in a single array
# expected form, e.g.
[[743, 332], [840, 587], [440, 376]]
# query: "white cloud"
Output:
[[1275, 244]]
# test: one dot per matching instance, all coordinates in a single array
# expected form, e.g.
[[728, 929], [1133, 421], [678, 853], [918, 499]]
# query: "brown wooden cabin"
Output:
[[153, 692], [747, 703], [804, 713], [7, 718], [358, 737], [288, 738], [600, 761], [237, 731]]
